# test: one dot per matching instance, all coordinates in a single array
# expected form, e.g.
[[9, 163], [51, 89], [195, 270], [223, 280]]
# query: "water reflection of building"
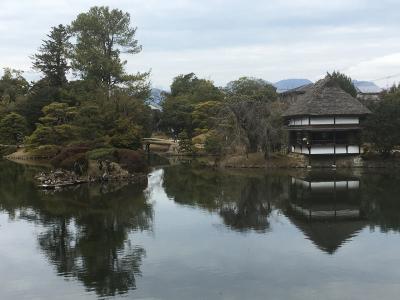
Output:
[[326, 207]]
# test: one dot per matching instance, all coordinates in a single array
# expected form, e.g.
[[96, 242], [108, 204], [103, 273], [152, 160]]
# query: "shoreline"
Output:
[[250, 161]]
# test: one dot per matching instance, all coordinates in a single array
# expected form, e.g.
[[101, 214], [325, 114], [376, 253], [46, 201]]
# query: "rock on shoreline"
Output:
[[63, 178]]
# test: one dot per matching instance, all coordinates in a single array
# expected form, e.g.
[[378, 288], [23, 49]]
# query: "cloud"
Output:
[[383, 70], [224, 39]]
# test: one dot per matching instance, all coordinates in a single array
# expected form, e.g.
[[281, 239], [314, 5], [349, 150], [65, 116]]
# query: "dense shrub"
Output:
[[133, 161], [126, 135], [67, 153], [185, 143], [382, 127], [45, 151], [77, 163], [101, 153], [125, 141], [57, 135], [13, 128], [214, 145]]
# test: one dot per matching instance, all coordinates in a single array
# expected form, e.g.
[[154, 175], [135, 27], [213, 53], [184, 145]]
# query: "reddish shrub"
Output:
[[77, 163], [67, 153], [131, 160]]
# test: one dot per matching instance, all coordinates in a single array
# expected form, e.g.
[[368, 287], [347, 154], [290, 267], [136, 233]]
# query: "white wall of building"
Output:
[[354, 149], [347, 120], [350, 184], [319, 149], [327, 150], [323, 121]]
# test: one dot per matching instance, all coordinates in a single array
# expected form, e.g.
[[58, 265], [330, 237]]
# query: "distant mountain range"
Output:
[[367, 87], [156, 98], [288, 84]]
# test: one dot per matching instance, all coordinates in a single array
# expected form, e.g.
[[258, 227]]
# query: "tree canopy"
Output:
[[100, 104], [382, 126], [12, 85], [187, 98], [52, 57], [253, 88], [345, 82], [102, 34]]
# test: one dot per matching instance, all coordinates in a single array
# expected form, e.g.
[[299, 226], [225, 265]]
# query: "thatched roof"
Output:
[[329, 236], [326, 98]]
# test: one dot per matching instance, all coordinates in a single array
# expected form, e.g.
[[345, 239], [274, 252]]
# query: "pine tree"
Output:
[[101, 35], [52, 59], [344, 82]]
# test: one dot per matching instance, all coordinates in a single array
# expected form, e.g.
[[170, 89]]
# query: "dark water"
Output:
[[199, 234]]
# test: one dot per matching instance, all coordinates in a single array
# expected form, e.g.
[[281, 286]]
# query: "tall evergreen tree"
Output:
[[52, 59], [344, 82], [101, 36]]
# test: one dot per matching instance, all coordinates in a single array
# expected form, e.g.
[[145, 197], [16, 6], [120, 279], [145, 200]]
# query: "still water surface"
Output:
[[194, 233]]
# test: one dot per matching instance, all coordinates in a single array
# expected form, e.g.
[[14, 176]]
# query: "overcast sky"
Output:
[[222, 40]]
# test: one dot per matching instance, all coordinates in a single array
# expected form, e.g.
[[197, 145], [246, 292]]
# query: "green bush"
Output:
[[126, 135], [58, 135], [126, 140], [185, 143], [13, 128], [213, 145], [45, 151], [101, 153]]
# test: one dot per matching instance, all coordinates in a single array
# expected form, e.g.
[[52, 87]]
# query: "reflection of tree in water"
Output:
[[97, 255], [250, 211], [86, 230], [244, 201], [380, 192]]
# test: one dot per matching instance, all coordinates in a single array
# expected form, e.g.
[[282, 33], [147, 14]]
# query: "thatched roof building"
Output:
[[326, 98], [325, 120]]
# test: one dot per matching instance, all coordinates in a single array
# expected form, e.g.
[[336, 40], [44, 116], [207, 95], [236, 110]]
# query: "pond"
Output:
[[196, 233]]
